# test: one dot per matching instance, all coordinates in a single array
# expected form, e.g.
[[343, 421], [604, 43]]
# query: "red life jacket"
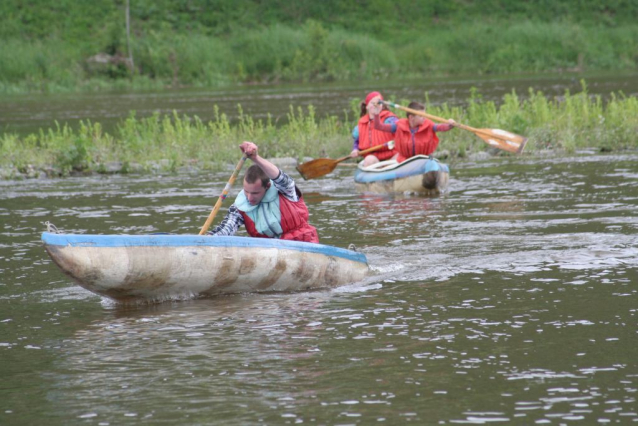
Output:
[[423, 142], [369, 136], [294, 221]]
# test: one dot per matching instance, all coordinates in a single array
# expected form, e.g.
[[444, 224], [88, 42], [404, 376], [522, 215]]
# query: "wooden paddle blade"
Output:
[[496, 138], [323, 166], [502, 139], [316, 168]]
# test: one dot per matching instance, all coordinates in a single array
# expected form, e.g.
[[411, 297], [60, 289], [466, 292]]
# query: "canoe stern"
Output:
[[420, 174]]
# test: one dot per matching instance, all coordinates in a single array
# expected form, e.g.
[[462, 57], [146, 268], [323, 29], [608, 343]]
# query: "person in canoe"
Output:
[[414, 135], [366, 136], [269, 206]]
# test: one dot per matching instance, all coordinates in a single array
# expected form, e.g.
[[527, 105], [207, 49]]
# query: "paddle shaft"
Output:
[[322, 166], [430, 116], [222, 197], [390, 145], [500, 139]]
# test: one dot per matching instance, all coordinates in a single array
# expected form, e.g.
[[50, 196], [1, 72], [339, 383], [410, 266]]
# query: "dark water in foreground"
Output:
[[513, 299]]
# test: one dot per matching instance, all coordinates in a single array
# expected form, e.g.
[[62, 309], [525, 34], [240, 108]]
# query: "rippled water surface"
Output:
[[512, 299]]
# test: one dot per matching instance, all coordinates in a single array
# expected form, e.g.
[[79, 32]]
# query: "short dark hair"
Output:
[[415, 105], [255, 173]]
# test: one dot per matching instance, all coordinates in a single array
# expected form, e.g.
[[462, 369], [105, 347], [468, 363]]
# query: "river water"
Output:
[[511, 299], [23, 114]]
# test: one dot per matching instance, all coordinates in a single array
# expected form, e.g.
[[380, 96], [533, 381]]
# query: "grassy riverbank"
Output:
[[52, 47], [169, 142]]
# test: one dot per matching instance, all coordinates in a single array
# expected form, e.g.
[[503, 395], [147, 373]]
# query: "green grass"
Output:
[[45, 45], [315, 52], [566, 124]]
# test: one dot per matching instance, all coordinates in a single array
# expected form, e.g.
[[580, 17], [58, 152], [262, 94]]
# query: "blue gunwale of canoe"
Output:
[[93, 240]]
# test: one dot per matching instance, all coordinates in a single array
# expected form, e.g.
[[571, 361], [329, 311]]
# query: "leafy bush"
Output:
[[566, 123]]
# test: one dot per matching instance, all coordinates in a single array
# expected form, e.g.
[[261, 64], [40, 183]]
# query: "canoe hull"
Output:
[[161, 270], [420, 174]]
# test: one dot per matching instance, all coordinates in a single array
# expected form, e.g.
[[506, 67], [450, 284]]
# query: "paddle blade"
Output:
[[502, 139], [316, 168]]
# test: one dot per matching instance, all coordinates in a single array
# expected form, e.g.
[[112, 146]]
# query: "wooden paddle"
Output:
[[322, 166], [496, 138], [222, 197]]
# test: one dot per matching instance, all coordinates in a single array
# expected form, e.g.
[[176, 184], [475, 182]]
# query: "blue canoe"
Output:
[[419, 174], [158, 267]]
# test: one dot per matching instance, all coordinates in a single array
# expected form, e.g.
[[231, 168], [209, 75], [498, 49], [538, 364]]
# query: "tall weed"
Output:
[[567, 123]]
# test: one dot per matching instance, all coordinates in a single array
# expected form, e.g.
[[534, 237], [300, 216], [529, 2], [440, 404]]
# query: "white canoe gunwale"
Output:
[[154, 267], [419, 174]]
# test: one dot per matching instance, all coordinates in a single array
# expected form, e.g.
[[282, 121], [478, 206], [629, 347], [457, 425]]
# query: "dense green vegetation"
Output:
[[47, 46], [170, 142]]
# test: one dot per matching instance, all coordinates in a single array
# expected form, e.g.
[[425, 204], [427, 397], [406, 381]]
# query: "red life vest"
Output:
[[369, 136], [423, 142], [294, 221]]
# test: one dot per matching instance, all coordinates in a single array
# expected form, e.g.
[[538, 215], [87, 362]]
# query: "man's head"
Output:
[[256, 183], [416, 120]]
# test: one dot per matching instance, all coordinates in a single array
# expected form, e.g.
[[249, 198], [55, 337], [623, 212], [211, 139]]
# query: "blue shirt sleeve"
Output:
[[393, 122], [355, 137]]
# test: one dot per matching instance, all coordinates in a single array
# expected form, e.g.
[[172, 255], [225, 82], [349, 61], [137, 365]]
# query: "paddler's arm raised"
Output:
[[444, 127], [282, 181], [389, 126], [286, 186], [251, 151]]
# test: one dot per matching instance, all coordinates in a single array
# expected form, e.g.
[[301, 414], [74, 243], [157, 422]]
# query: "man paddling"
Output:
[[269, 206]]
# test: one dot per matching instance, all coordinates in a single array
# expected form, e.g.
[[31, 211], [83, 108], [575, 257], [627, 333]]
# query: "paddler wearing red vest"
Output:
[[366, 136], [414, 135], [269, 206]]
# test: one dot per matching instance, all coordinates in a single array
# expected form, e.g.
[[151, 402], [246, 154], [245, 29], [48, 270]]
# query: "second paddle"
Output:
[[322, 166]]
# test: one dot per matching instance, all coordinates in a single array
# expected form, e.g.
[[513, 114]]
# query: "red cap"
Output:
[[372, 95]]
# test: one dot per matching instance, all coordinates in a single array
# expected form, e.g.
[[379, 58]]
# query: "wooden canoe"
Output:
[[419, 174], [158, 267]]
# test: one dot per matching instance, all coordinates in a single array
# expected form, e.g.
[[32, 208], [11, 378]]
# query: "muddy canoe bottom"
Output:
[[159, 267], [420, 174]]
